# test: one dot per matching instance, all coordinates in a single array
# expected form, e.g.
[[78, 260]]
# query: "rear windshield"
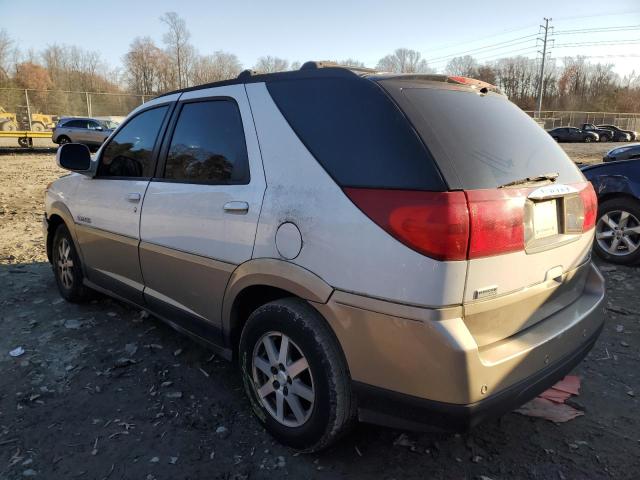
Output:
[[357, 133], [488, 140]]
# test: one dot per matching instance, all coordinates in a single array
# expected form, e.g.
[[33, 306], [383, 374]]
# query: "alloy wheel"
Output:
[[65, 263], [618, 233], [282, 379]]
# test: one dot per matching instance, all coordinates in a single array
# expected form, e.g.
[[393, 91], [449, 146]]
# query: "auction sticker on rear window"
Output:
[[545, 219]]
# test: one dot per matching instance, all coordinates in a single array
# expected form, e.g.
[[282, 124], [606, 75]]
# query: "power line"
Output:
[[597, 30], [608, 43], [508, 43]]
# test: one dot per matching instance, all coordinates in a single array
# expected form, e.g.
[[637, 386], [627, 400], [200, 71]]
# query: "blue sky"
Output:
[[329, 29]]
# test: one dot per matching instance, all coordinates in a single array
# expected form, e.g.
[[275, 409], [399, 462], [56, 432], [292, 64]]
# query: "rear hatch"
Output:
[[531, 211]]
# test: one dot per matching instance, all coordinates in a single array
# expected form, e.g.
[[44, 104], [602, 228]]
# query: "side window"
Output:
[[91, 125], [130, 152], [76, 124], [208, 145]]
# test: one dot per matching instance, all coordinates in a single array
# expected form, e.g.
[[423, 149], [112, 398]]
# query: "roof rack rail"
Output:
[[314, 65]]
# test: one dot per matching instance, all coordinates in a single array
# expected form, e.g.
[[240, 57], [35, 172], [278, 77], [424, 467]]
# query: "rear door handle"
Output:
[[133, 197], [236, 207]]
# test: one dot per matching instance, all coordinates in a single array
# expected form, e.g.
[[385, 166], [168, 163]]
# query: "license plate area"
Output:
[[545, 219]]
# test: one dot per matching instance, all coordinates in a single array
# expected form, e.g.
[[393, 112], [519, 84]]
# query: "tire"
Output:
[[556, 139], [25, 142], [326, 409], [588, 139], [37, 127], [63, 139], [66, 267], [9, 126], [604, 138], [626, 250]]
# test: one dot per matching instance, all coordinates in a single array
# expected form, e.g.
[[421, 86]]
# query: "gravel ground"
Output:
[[103, 393]]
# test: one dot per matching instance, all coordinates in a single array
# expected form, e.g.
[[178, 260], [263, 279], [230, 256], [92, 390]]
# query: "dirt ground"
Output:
[[103, 393]]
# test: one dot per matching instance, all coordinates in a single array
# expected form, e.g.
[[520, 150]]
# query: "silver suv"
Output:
[[88, 131], [406, 250]]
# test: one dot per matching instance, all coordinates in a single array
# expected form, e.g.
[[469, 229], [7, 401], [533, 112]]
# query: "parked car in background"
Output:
[[572, 134], [621, 135], [604, 134], [628, 152], [386, 298], [618, 222], [87, 131]]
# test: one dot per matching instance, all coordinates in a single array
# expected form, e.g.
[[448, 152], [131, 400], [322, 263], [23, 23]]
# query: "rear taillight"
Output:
[[433, 223], [497, 221], [461, 225], [590, 203]]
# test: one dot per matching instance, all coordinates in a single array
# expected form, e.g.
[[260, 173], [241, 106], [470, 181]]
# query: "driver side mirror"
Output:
[[75, 157]]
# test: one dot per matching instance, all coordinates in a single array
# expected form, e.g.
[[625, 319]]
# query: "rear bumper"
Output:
[[415, 366], [393, 409]]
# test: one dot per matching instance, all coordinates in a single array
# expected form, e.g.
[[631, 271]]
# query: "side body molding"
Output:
[[276, 273]]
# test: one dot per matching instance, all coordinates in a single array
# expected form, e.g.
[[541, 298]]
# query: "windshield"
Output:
[[488, 140]]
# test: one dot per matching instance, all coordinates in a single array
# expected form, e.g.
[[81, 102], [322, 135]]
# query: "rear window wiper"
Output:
[[539, 178]]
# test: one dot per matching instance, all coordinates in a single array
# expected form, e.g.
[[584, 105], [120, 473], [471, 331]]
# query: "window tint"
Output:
[[91, 125], [356, 133], [488, 140], [76, 124], [208, 144], [130, 152]]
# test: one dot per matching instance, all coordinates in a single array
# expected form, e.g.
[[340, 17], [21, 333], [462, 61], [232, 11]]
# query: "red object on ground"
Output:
[[551, 405]]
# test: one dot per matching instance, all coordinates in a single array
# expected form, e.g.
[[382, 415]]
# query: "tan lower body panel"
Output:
[[432, 354], [110, 255], [191, 283]]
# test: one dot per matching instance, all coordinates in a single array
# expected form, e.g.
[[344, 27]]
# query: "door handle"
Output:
[[236, 207], [133, 197]]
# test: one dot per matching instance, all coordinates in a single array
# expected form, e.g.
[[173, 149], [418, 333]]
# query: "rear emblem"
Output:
[[485, 292]]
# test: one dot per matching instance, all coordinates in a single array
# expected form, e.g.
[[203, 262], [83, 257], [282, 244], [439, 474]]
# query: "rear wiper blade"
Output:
[[539, 178]]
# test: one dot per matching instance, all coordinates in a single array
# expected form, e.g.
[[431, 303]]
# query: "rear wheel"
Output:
[[587, 139], [37, 127], [618, 231], [295, 375], [25, 142], [9, 126], [604, 138], [63, 139], [66, 267]]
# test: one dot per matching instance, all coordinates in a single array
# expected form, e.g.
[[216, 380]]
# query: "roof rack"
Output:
[[313, 65]]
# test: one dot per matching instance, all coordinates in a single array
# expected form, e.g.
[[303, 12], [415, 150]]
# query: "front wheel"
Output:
[[618, 231], [295, 375], [66, 267], [604, 138]]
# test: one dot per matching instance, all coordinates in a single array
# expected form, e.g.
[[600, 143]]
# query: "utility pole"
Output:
[[546, 28]]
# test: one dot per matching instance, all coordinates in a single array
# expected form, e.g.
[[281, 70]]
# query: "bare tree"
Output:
[[404, 60], [216, 67], [271, 64], [6, 46], [177, 41], [143, 64], [466, 66]]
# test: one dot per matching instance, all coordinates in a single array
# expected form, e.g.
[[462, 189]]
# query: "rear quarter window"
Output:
[[357, 133]]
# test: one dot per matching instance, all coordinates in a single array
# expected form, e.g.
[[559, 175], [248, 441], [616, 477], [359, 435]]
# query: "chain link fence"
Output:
[[552, 119], [40, 109]]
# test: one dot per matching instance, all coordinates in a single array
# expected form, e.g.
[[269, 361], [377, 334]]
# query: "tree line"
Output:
[[149, 68]]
